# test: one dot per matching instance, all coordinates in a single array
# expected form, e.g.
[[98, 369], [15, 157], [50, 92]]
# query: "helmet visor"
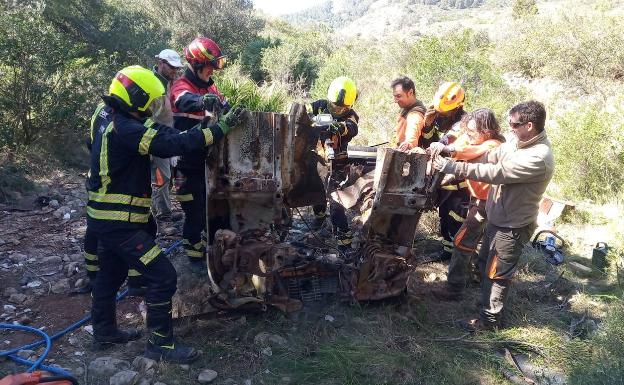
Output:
[[156, 107], [218, 63], [337, 110]]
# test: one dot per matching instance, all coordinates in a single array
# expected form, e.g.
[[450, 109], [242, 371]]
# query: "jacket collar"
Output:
[[197, 81], [536, 139]]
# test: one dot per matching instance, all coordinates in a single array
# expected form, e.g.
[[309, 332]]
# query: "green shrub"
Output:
[[524, 8], [242, 91], [589, 155]]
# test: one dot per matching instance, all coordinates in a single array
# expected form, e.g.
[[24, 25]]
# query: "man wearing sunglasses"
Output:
[[193, 97], [519, 172], [166, 70]]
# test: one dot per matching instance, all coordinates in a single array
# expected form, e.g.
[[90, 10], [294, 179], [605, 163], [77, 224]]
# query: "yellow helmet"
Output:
[[342, 92], [449, 96], [136, 87]]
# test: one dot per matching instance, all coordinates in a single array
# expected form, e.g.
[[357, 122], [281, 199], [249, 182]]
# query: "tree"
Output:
[[524, 8]]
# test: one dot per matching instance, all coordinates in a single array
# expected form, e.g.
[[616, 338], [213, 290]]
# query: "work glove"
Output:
[[234, 118], [435, 149], [337, 128], [430, 115], [173, 161], [404, 147], [212, 102], [439, 162]]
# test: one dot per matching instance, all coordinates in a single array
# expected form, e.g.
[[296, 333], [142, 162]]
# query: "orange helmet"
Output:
[[449, 96], [204, 51]]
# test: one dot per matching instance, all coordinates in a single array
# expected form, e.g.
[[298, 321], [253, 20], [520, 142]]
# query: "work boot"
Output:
[[171, 353], [447, 293], [198, 267], [118, 337]]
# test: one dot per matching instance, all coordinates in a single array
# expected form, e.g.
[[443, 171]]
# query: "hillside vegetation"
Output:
[[59, 56]]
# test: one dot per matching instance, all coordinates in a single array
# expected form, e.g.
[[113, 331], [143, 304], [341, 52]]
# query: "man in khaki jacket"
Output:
[[519, 172]]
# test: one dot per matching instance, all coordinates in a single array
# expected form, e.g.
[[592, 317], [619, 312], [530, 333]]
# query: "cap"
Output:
[[171, 57]]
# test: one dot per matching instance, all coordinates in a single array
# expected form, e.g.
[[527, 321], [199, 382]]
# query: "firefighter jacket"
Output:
[[187, 104], [440, 126], [119, 182], [350, 120], [410, 124], [519, 173]]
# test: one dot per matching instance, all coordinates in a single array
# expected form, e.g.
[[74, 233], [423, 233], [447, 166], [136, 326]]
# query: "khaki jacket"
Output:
[[519, 173]]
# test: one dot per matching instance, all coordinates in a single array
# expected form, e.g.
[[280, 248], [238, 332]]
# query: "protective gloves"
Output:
[[435, 149], [211, 102], [173, 161], [234, 118], [337, 128]]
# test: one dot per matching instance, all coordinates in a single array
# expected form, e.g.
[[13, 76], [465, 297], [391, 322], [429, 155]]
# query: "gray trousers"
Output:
[[499, 256], [161, 178]]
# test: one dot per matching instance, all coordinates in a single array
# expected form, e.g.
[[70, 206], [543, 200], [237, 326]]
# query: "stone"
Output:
[[268, 339], [78, 371], [145, 366], [125, 377], [61, 286], [107, 366], [80, 283], [72, 268], [185, 367], [144, 381], [9, 291], [26, 354], [206, 376], [33, 284], [54, 204], [159, 383], [17, 298], [170, 230], [247, 382], [77, 257], [66, 258], [18, 257], [267, 351], [9, 309], [52, 260], [66, 216]]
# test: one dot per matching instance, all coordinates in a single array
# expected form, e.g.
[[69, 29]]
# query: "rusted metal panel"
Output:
[[402, 192]]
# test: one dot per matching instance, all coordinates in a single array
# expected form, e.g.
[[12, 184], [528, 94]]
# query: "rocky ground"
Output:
[[339, 341]]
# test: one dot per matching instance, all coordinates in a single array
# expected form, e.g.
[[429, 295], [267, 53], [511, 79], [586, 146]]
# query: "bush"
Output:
[[429, 62], [242, 91], [589, 154], [524, 8]]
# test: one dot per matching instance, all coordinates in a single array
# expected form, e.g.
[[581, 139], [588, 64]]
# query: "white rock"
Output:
[[329, 318], [67, 216], [267, 351], [145, 366], [54, 204], [125, 377], [247, 382], [89, 329], [206, 376], [33, 284], [9, 309], [61, 286], [185, 367]]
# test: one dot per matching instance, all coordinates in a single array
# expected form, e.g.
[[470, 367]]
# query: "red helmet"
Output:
[[204, 51]]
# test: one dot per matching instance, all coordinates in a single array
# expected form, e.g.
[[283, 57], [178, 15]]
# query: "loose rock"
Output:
[[206, 376], [144, 381], [145, 366], [61, 286], [54, 204], [267, 351], [72, 268], [9, 309], [268, 339], [17, 298], [9, 291], [107, 366], [52, 260], [125, 377]]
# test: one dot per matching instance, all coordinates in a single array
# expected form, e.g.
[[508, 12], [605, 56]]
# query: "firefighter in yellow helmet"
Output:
[[343, 127], [118, 210], [442, 124]]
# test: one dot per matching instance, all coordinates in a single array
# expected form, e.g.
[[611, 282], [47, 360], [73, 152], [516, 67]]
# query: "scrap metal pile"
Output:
[[255, 179]]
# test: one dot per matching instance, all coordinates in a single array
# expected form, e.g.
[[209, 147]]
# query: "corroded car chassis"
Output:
[[262, 171]]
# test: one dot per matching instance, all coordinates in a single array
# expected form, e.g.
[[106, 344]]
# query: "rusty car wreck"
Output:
[[263, 173]]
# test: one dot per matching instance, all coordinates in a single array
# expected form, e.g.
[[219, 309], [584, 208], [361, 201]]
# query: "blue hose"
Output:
[[47, 340]]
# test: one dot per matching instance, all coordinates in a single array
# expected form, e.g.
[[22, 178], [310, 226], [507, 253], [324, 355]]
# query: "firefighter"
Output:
[[193, 96], [442, 124], [341, 96], [136, 286], [519, 172], [481, 134], [411, 119], [118, 210]]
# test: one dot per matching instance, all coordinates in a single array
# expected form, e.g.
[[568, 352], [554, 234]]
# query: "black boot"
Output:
[[172, 353], [119, 336]]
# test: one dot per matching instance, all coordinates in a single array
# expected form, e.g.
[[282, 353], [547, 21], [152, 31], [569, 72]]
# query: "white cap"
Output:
[[170, 56]]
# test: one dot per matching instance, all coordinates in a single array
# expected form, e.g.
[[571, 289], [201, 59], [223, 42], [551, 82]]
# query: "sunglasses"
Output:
[[516, 124], [218, 63]]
